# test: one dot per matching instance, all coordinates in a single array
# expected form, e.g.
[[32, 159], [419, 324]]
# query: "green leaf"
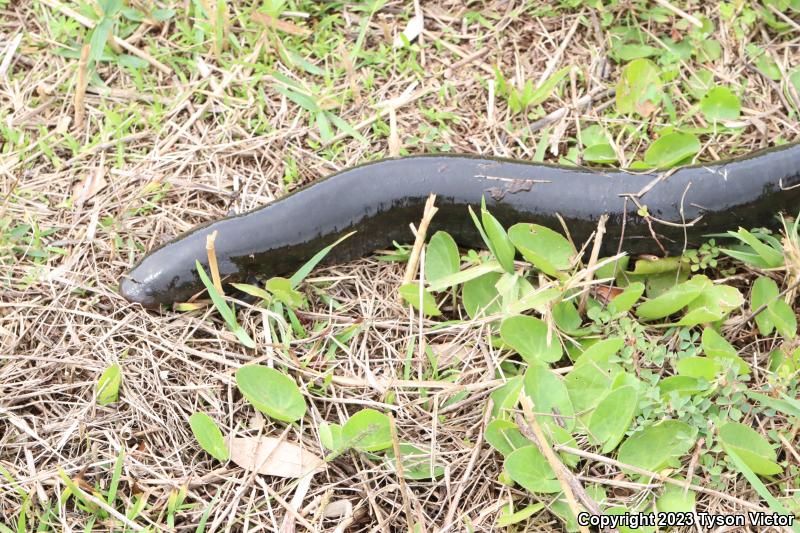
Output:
[[368, 431], [528, 336], [623, 302], [601, 351], [222, 307], [658, 446], [639, 89], [600, 153], [566, 316], [499, 243], [529, 469], [441, 257], [506, 397], [671, 149], [271, 392], [700, 83], [507, 517], [464, 276], [721, 104], [683, 385], [330, 435], [787, 406], [713, 304], [309, 265], [675, 499], [209, 436], [544, 248], [589, 382], [504, 436], [781, 314], [751, 447], [628, 52], [282, 289], [411, 294], [544, 91], [480, 295], [715, 346], [765, 290], [107, 390], [612, 417], [674, 299], [416, 462], [550, 397], [97, 42], [698, 367]]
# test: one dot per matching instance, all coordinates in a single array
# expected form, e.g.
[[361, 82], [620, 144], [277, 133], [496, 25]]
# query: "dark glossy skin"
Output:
[[379, 200]]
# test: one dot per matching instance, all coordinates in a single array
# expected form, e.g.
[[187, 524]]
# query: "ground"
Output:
[[124, 124]]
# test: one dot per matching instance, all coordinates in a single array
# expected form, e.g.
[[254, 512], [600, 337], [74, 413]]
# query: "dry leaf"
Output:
[[449, 352], [605, 294], [280, 25], [412, 31], [94, 183], [273, 457]]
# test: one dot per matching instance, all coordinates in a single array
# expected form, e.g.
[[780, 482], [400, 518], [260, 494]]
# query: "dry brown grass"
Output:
[[62, 322]]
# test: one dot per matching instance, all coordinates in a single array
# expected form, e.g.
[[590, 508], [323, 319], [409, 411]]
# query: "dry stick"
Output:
[[413, 259], [530, 427], [212, 261], [681, 13], [598, 240], [558, 114], [89, 23], [556, 58], [80, 87], [400, 474], [656, 475]]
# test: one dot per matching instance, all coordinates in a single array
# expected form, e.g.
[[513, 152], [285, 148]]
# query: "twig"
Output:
[[656, 475], [558, 114], [598, 240], [419, 241], [681, 13], [398, 461], [80, 87], [556, 58], [212, 261]]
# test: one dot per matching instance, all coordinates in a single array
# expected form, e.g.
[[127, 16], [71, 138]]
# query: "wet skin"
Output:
[[379, 200]]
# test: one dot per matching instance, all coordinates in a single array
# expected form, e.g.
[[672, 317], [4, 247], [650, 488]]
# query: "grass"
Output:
[[192, 110]]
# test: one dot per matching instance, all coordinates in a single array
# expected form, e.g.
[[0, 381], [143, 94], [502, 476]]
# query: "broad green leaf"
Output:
[[416, 462], [698, 367], [787, 406], [547, 250], [639, 88], [464, 276], [600, 153], [441, 257], [529, 469], [330, 435], [720, 104], [309, 265], [674, 299], [781, 314], [612, 417], [529, 338], [508, 516], [271, 392], [538, 299], [566, 316], [209, 436], [107, 389], [368, 431], [623, 302], [550, 397], [765, 290], [601, 351], [716, 347], [658, 446], [683, 385], [499, 243], [675, 499], [628, 52], [506, 397], [588, 383], [700, 83], [224, 309], [411, 294], [712, 305], [480, 295], [504, 436], [751, 447], [671, 149]]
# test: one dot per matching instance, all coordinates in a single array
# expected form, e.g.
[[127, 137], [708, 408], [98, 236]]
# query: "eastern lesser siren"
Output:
[[378, 200]]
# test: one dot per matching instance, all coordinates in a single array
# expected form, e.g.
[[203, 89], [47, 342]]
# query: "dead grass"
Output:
[[62, 322]]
